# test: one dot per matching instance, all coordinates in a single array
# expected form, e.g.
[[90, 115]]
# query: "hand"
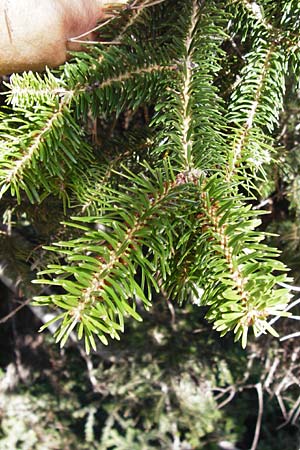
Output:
[[35, 33]]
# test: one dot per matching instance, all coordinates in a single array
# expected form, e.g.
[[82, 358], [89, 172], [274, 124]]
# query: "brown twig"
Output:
[[15, 311], [259, 390]]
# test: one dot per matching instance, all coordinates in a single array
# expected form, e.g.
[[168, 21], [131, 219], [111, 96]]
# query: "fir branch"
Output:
[[99, 286], [245, 277], [29, 158], [55, 119], [183, 226], [135, 16], [255, 106], [22, 163], [254, 10], [242, 140], [190, 109], [187, 139]]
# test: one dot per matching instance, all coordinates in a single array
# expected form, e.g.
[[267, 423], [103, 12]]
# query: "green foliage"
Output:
[[154, 388], [163, 202]]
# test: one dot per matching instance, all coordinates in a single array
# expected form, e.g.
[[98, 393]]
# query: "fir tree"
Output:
[[154, 149]]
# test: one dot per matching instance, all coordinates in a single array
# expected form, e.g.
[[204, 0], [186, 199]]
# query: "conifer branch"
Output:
[[179, 220], [21, 164], [255, 9], [107, 260], [186, 90], [241, 142]]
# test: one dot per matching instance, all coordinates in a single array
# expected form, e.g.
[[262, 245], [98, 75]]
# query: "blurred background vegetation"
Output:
[[171, 383]]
